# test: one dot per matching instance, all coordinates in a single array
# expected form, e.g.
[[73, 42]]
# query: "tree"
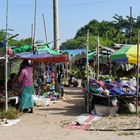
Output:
[[2, 36], [110, 32], [21, 42]]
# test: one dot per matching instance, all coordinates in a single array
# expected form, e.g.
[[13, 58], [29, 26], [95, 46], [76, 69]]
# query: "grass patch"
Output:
[[10, 114]]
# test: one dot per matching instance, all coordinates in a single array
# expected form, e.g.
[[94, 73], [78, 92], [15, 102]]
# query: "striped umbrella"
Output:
[[127, 54]]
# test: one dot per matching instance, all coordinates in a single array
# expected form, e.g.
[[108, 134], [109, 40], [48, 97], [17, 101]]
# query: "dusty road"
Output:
[[47, 123]]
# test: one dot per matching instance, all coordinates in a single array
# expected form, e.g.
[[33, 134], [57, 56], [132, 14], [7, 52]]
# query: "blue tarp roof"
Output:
[[74, 52]]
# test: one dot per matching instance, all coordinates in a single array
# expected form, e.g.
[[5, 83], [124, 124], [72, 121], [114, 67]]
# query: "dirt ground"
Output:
[[47, 123]]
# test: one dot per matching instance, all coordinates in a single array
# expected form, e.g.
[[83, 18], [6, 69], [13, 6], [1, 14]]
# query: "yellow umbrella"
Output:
[[127, 54]]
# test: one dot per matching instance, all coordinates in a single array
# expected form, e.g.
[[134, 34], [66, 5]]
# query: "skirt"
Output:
[[26, 100]]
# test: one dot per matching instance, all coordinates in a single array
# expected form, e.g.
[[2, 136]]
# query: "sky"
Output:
[[73, 14]]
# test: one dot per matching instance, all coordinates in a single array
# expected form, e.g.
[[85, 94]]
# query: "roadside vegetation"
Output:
[[116, 31]]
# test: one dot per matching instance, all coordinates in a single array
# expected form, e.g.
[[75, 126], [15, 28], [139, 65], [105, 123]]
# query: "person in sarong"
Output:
[[26, 84]]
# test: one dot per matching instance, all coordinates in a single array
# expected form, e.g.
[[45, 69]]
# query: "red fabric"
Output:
[[60, 58]]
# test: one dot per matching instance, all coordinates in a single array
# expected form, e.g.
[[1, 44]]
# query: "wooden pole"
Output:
[[6, 59], [45, 30], [87, 63], [130, 25], [34, 32], [102, 60], [97, 72], [87, 69], [137, 72]]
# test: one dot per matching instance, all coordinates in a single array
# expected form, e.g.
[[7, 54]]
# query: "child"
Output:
[[12, 83]]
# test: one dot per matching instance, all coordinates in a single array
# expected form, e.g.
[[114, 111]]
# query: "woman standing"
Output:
[[26, 82]]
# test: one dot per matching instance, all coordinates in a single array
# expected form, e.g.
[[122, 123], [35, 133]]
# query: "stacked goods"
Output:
[[112, 87]]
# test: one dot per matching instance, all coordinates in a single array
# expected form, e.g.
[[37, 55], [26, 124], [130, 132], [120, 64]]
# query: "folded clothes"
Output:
[[115, 88]]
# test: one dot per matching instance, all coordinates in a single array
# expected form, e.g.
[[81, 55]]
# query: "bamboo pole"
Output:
[[34, 32], [137, 72], [32, 26], [87, 63], [130, 25], [97, 61], [45, 30], [87, 69], [6, 58]]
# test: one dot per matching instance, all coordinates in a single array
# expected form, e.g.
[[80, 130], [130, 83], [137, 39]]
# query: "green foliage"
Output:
[[2, 36], [14, 42], [78, 73], [110, 32], [70, 44], [22, 42], [11, 113], [106, 42]]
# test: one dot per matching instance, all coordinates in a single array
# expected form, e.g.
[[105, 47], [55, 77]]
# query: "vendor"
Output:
[[26, 80], [12, 83]]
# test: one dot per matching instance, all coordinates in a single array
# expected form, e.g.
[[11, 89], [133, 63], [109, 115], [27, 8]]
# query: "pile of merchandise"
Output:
[[112, 87], [48, 91]]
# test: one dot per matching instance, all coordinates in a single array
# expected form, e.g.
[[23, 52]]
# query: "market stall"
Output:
[[113, 94], [125, 91], [43, 63], [42, 54]]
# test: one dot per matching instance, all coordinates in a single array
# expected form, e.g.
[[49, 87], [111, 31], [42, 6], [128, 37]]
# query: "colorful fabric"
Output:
[[42, 56], [26, 100], [42, 53], [111, 88]]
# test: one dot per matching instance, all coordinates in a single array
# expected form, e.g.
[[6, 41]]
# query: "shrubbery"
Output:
[[11, 113]]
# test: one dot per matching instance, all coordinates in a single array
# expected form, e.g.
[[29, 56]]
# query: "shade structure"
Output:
[[24, 48], [42, 53], [28, 48], [42, 57], [45, 47], [83, 55], [91, 55], [127, 54]]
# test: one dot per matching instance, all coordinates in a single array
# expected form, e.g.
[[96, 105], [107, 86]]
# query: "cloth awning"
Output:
[[42, 53], [42, 56]]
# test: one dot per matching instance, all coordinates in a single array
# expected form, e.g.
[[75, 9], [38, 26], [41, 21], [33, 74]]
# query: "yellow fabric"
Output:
[[132, 54]]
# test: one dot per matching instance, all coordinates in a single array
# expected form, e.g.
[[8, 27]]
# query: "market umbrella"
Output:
[[127, 54]]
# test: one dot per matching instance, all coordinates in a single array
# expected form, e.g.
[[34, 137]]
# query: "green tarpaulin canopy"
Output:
[[28, 48], [24, 48]]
